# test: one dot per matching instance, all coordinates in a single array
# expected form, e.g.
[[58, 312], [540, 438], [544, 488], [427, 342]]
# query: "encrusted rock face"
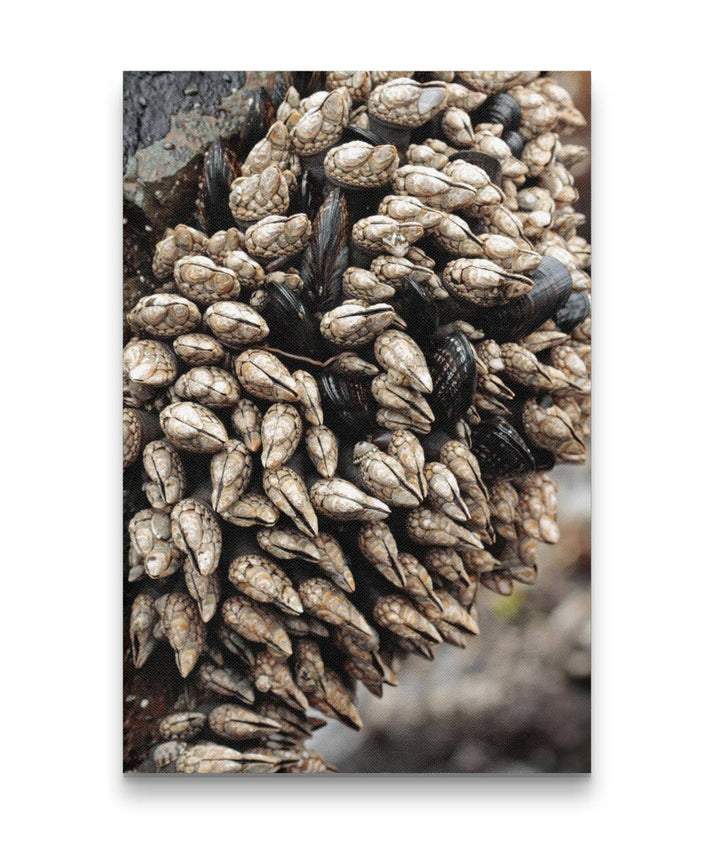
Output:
[[176, 119], [335, 452]]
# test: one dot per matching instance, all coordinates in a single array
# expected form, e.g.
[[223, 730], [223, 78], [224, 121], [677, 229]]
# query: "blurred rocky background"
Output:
[[517, 699]]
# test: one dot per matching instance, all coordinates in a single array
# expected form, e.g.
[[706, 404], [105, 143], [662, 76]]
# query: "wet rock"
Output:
[[166, 132], [150, 98]]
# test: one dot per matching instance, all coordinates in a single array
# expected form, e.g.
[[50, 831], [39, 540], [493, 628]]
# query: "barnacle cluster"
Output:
[[344, 395]]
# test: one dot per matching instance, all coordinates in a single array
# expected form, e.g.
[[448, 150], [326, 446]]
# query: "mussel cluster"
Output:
[[343, 397]]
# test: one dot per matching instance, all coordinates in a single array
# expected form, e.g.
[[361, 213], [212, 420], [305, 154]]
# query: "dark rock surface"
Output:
[[150, 98], [170, 120]]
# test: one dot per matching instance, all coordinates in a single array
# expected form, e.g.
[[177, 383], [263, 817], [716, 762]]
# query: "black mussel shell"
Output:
[[451, 361], [398, 135], [430, 247], [292, 327], [499, 109], [544, 459], [352, 133], [282, 263], [327, 255], [370, 586], [380, 437], [430, 130], [365, 202], [281, 84], [515, 319], [308, 82], [573, 312], [361, 201], [490, 164], [433, 442], [500, 450], [312, 194], [515, 143], [315, 165], [261, 114], [455, 309], [215, 188], [359, 257], [348, 405], [415, 306]]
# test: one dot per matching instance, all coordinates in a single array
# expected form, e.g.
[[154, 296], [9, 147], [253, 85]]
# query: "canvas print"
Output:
[[356, 422]]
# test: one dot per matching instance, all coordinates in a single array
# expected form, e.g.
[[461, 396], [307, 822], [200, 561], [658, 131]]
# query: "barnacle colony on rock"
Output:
[[344, 396]]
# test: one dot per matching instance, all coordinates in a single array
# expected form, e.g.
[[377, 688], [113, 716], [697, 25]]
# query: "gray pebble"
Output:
[[191, 90]]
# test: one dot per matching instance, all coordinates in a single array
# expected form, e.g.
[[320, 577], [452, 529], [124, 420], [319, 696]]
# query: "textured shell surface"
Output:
[[178, 242], [198, 278], [326, 602], [264, 581], [254, 622], [380, 234], [275, 236], [235, 324], [287, 543], [204, 589], [274, 147], [197, 533], [259, 195], [149, 362], [340, 499], [246, 420], [309, 397], [281, 431], [355, 323], [199, 349], [405, 208], [398, 353], [248, 271], [184, 630], [208, 385], [262, 375], [223, 242], [164, 315], [385, 477], [322, 125], [192, 427], [166, 472], [151, 540], [435, 189], [358, 164], [323, 449], [230, 472], [363, 285], [406, 102], [484, 282], [132, 435], [288, 493]]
